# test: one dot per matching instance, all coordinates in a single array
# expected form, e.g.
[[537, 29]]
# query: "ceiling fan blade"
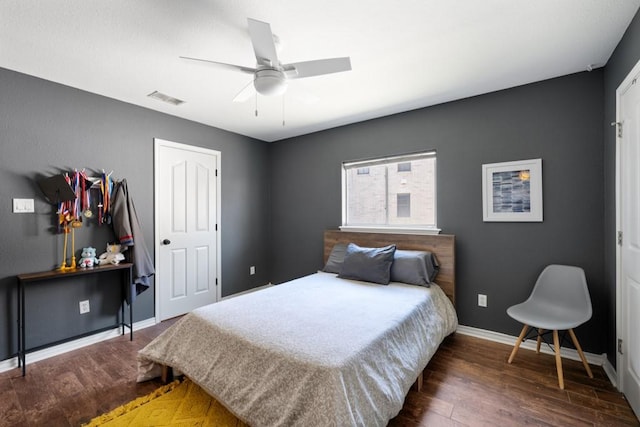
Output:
[[298, 70], [263, 44], [247, 92], [233, 67]]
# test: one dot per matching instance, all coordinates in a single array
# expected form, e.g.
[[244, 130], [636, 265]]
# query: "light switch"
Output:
[[23, 206]]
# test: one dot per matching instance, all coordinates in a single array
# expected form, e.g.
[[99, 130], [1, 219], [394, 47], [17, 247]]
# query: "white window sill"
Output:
[[390, 230]]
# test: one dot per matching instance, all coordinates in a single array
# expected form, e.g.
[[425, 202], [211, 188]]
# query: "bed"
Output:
[[319, 350]]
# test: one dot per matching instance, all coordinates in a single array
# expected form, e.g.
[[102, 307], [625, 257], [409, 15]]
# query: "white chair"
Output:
[[559, 301]]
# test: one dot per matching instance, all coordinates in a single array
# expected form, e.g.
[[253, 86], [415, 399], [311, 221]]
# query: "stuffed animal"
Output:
[[113, 255], [88, 258]]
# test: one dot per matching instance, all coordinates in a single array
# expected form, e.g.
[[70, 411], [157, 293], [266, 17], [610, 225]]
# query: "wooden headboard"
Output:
[[442, 245]]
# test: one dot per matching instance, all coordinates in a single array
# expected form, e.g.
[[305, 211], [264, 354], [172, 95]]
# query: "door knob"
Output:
[[166, 242]]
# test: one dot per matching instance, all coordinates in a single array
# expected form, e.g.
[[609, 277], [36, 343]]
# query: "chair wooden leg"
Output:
[[556, 345], [584, 359], [525, 328], [540, 331]]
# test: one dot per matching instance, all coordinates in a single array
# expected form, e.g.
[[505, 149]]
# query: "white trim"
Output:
[[389, 230], [386, 228], [248, 291], [620, 324], [57, 350], [611, 373], [156, 215], [389, 159], [568, 353]]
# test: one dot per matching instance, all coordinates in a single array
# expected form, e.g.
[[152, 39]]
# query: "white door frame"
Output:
[[620, 324], [156, 209]]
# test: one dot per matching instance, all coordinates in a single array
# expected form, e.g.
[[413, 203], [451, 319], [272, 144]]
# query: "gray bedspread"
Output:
[[316, 351]]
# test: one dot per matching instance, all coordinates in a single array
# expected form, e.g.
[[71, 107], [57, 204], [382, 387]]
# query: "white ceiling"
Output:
[[405, 54]]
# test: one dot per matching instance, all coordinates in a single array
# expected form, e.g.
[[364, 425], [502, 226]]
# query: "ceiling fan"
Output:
[[270, 76]]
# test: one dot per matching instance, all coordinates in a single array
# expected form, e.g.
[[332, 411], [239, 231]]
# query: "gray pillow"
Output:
[[368, 264], [414, 267], [336, 257]]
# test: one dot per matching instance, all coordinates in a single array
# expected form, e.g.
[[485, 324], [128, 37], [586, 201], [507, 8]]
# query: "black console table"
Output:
[[26, 278]]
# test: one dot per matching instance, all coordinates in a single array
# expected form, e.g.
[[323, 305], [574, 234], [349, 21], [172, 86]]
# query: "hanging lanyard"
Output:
[[106, 187]]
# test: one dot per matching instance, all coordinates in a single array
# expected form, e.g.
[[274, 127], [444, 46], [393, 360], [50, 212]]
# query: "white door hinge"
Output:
[[620, 238], [620, 346]]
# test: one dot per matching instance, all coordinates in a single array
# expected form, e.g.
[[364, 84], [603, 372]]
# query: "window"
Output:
[[404, 167], [404, 205], [382, 197]]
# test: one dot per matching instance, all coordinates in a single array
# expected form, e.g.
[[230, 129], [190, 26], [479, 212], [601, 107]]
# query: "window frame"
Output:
[[400, 229]]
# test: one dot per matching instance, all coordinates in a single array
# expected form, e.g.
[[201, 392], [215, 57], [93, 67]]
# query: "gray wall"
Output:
[[558, 120], [624, 58], [46, 128]]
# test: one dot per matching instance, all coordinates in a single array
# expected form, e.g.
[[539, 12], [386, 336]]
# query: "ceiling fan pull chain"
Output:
[[256, 104]]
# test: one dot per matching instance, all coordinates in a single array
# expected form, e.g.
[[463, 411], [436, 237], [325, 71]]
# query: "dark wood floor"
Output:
[[468, 382]]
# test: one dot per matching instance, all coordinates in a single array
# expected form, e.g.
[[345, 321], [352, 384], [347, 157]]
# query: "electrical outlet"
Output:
[[252, 270], [84, 306], [482, 300]]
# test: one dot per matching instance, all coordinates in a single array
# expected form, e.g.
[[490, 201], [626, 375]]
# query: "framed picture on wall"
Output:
[[512, 191]]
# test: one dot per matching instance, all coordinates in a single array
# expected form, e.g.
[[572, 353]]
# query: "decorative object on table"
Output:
[[70, 214], [71, 193], [113, 255], [512, 191], [57, 189], [88, 257], [76, 223]]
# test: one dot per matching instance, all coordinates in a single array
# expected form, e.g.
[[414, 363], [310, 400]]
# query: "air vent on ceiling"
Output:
[[165, 98]]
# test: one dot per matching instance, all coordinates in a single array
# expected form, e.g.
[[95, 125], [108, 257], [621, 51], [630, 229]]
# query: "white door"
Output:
[[187, 238], [629, 250]]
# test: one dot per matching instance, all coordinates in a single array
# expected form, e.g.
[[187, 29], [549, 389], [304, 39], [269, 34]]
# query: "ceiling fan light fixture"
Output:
[[270, 82]]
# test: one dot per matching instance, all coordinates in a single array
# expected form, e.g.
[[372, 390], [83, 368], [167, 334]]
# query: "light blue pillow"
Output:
[[414, 267], [368, 264]]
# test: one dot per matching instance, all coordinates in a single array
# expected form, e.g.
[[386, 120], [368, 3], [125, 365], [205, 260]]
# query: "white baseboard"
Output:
[[56, 350], [248, 291], [611, 373], [569, 353], [593, 359]]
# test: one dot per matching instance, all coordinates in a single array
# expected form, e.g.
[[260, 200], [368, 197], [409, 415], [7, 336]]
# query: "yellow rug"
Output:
[[176, 404]]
